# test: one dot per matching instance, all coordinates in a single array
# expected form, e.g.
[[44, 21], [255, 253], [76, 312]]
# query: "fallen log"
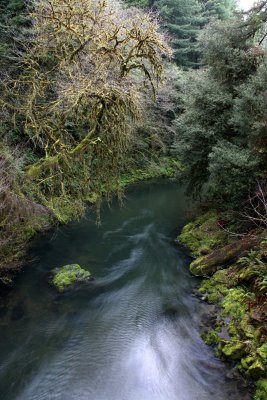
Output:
[[209, 264]]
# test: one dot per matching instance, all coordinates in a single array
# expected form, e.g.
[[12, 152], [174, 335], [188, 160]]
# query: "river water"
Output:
[[132, 334]]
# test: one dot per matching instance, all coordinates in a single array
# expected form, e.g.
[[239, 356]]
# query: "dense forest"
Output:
[[131, 87], [97, 94]]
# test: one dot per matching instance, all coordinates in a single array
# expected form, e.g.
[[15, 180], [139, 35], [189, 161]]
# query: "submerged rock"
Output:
[[69, 275]]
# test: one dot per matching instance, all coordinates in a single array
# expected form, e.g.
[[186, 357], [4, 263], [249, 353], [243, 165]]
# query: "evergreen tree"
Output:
[[221, 136], [183, 20], [218, 9]]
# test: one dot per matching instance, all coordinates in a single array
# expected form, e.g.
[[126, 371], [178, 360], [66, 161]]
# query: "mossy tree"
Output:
[[81, 91]]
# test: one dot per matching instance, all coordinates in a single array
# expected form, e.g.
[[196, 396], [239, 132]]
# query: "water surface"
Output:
[[133, 334]]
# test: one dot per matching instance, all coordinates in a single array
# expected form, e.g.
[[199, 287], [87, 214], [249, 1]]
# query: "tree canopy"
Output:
[[183, 20], [221, 135], [81, 90]]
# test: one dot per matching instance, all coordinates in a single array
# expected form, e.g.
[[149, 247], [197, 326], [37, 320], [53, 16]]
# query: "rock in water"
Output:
[[69, 275]]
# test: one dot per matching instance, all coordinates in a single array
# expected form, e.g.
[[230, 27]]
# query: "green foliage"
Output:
[[183, 20], [54, 160], [218, 9], [221, 135]]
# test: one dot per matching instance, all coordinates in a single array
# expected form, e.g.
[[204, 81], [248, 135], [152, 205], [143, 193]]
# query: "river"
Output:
[[132, 334]]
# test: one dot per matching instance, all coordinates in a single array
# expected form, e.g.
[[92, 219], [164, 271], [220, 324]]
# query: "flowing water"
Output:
[[132, 334]]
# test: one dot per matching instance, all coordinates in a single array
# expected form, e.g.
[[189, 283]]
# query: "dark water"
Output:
[[133, 335]]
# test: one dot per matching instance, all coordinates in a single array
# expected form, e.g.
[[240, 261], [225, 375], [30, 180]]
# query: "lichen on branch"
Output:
[[83, 85]]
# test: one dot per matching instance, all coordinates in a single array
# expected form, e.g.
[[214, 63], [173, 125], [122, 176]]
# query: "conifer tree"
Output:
[[218, 9], [183, 20], [221, 135]]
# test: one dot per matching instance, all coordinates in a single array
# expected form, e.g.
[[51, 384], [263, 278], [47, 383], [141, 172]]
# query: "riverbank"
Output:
[[14, 247], [234, 279]]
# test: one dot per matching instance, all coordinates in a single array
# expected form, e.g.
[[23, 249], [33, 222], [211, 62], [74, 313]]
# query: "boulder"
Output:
[[69, 275]]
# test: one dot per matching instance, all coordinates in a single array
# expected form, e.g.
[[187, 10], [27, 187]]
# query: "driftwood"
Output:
[[208, 265]]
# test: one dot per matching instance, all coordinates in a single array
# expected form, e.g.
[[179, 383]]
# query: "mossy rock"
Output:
[[234, 350], [262, 351], [214, 297], [261, 392], [232, 329], [69, 275], [246, 362], [203, 235], [247, 328], [211, 337], [234, 304], [256, 370]]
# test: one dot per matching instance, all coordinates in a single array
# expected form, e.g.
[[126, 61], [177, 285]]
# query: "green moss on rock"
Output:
[[232, 329], [69, 275], [246, 327], [234, 350], [234, 303], [203, 235], [256, 370], [246, 362], [235, 279], [211, 337], [214, 297], [262, 351], [261, 392]]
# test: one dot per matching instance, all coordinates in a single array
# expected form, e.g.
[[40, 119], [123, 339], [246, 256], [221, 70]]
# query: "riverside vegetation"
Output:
[[98, 94], [234, 275]]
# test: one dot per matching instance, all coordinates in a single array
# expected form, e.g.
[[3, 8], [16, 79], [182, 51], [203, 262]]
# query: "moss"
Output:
[[246, 327], [211, 337], [261, 392], [246, 362], [238, 287], [256, 370], [232, 330], [262, 351], [234, 350], [202, 290], [214, 297], [234, 303], [252, 367], [203, 235], [164, 167], [68, 275]]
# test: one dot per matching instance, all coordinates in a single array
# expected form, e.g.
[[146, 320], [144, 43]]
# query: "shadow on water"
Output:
[[132, 334]]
